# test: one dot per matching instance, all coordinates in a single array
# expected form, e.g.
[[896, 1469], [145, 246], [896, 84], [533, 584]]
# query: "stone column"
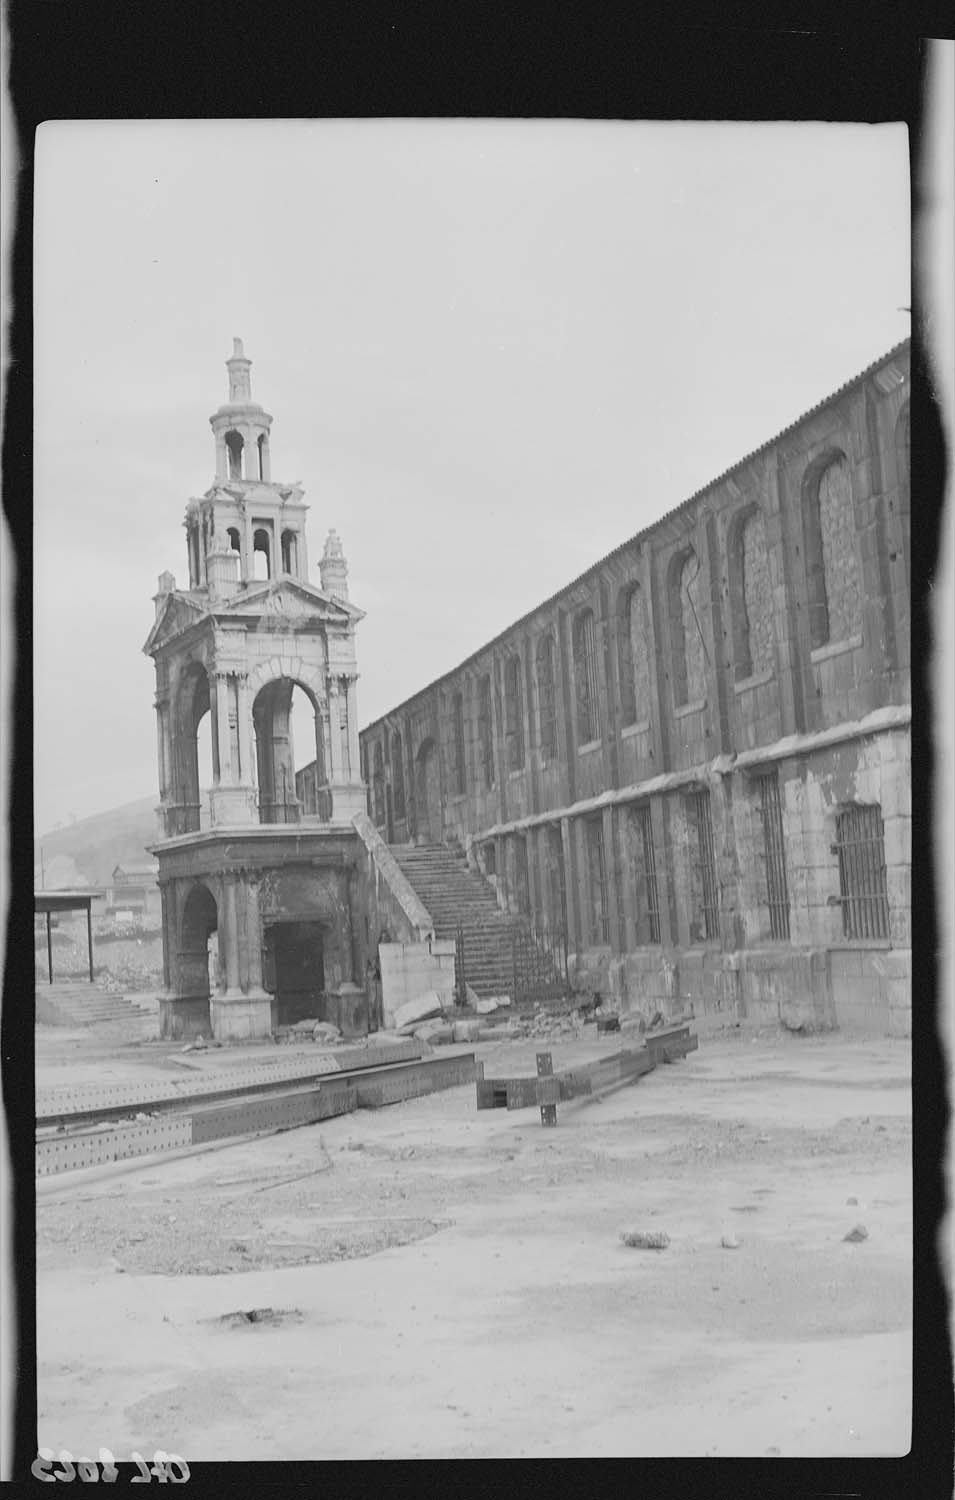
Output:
[[226, 768], [245, 730], [161, 735], [231, 936], [253, 929], [352, 707], [334, 733]]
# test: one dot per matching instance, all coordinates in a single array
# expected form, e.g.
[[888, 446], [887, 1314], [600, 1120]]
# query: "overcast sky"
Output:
[[493, 351]]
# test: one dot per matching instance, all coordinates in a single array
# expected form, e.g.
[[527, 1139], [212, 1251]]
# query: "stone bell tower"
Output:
[[230, 650]]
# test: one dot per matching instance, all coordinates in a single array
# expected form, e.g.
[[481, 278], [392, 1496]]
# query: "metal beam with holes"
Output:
[[259, 1112], [590, 1079]]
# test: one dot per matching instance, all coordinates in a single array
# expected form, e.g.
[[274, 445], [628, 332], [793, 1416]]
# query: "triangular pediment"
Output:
[[289, 598], [179, 613]]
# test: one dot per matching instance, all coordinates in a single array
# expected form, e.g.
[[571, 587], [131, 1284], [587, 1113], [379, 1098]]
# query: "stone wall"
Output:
[[736, 679]]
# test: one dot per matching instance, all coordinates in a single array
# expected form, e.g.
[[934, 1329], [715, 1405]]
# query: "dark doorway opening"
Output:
[[294, 970]]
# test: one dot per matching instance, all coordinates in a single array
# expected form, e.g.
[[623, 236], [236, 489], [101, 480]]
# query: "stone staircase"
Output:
[[77, 1004], [463, 905]]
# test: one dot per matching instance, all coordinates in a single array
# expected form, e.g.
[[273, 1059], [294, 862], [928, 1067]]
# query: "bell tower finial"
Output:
[[240, 380]]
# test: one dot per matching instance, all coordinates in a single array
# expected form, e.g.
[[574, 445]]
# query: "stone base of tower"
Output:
[[183, 1017], [241, 1018]]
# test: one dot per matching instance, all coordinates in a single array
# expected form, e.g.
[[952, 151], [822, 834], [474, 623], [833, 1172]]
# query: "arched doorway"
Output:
[[200, 919], [427, 795]]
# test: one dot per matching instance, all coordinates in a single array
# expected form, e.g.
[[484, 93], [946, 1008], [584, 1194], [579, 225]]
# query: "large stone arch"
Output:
[[271, 707]]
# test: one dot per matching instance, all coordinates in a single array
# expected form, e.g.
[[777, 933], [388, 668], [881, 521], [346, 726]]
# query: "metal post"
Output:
[[89, 934], [49, 947]]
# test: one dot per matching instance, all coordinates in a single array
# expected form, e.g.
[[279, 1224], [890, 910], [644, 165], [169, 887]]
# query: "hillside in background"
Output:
[[88, 851]]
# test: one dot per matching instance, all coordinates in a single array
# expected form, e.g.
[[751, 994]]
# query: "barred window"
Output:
[[378, 785], [599, 933], [486, 730], [645, 870], [774, 853], [705, 923], [860, 845], [546, 696], [459, 767], [556, 879], [513, 713], [585, 677], [397, 775], [522, 885]]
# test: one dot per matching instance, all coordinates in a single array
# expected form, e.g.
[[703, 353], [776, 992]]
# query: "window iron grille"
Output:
[[706, 857], [777, 891], [650, 872], [860, 846]]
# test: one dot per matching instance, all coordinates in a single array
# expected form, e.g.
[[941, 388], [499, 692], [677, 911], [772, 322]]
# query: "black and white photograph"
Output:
[[472, 790]]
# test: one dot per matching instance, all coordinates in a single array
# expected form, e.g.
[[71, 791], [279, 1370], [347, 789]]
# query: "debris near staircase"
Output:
[[590, 1080]]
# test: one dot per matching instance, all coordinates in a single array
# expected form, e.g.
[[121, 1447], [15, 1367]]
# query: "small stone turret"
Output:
[[222, 567], [333, 569]]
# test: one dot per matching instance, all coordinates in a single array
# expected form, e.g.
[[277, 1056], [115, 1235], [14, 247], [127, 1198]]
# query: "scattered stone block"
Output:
[[326, 1031], [465, 1031], [435, 1031], [639, 1239], [856, 1235], [420, 1009], [730, 1242], [489, 1004]]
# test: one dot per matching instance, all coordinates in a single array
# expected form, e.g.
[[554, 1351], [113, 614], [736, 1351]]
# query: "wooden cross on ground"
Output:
[[590, 1079]]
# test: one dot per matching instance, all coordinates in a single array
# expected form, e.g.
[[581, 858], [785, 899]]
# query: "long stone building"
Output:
[[695, 758]]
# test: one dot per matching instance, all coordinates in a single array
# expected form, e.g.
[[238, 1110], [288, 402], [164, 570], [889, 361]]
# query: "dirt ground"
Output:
[[437, 1282]]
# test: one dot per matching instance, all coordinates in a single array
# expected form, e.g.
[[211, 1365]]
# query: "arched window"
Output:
[[832, 570], [459, 767], [397, 775], [234, 542], [486, 730], [262, 447], [585, 677], [688, 664], [513, 713], [261, 555], [751, 594], [378, 786], [632, 656], [234, 444], [289, 551], [546, 696], [903, 464]]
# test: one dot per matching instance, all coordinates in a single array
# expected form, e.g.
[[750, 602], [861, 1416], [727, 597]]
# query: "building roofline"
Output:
[[639, 536]]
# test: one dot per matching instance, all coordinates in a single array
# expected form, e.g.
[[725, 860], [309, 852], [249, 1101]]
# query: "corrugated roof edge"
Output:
[[639, 535]]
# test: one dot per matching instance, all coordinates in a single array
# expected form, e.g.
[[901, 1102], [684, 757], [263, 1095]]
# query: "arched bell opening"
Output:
[[261, 554], [234, 446]]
